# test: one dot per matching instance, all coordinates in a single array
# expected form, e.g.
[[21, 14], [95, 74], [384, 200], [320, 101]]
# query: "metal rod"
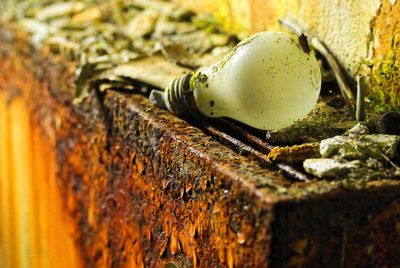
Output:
[[157, 97], [360, 109], [241, 147], [288, 171], [255, 141], [292, 173]]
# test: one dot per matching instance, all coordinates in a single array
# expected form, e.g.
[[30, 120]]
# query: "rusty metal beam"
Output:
[[142, 188]]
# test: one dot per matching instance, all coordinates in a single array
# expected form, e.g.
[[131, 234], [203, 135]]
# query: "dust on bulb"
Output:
[[267, 81]]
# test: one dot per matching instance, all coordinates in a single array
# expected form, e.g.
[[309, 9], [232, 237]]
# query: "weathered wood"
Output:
[[133, 186]]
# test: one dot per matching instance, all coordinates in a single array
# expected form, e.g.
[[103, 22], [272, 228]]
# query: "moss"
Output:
[[323, 122], [385, 80], [376, 105], [197, 79]]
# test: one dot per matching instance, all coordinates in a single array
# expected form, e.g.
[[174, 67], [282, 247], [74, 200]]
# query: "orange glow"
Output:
[[34, 228]]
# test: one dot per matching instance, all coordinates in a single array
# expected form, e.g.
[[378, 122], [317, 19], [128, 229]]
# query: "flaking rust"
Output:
[[144, 188]]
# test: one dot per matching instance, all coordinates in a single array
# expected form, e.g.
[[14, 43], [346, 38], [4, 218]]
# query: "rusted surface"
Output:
[[35, 229], [143, 188], [349, 236]]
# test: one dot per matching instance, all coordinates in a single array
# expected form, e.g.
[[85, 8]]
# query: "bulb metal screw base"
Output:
[[177, 98]]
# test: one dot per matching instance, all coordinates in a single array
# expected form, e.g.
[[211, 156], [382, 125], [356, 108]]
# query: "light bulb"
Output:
[[268, 81]]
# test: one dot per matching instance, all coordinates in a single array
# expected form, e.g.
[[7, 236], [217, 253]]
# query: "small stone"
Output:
[[386, 144], [327, 167], [360, 147], [330, 147], [359, 129]]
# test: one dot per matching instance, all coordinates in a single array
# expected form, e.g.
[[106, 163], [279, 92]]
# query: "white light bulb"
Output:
[[268, 82]]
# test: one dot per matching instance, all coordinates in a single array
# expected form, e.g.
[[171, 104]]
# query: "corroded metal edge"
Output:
[[144, 187], [148, 199]]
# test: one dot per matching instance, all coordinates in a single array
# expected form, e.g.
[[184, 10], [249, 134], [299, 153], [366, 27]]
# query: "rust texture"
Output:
[[35, 229], [143, 188]]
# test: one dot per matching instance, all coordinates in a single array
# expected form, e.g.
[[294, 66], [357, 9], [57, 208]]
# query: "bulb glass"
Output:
[[268, 82]]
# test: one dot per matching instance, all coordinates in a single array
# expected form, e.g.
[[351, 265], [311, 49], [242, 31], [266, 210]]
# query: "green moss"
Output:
[[385, 80], [376, 104], [323, 122], [197, 79]]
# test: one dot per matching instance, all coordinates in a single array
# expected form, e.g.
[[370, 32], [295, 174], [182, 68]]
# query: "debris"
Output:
[[356, 155], [359, 129], [195, 42], [166, 27], [360, 147], [90, 14], [59, 10], [152, 70], [291, 173], [142, 25], [39, 30], [111, 33], [328, 167], [323, 122], [293, 154], [177, 54]]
